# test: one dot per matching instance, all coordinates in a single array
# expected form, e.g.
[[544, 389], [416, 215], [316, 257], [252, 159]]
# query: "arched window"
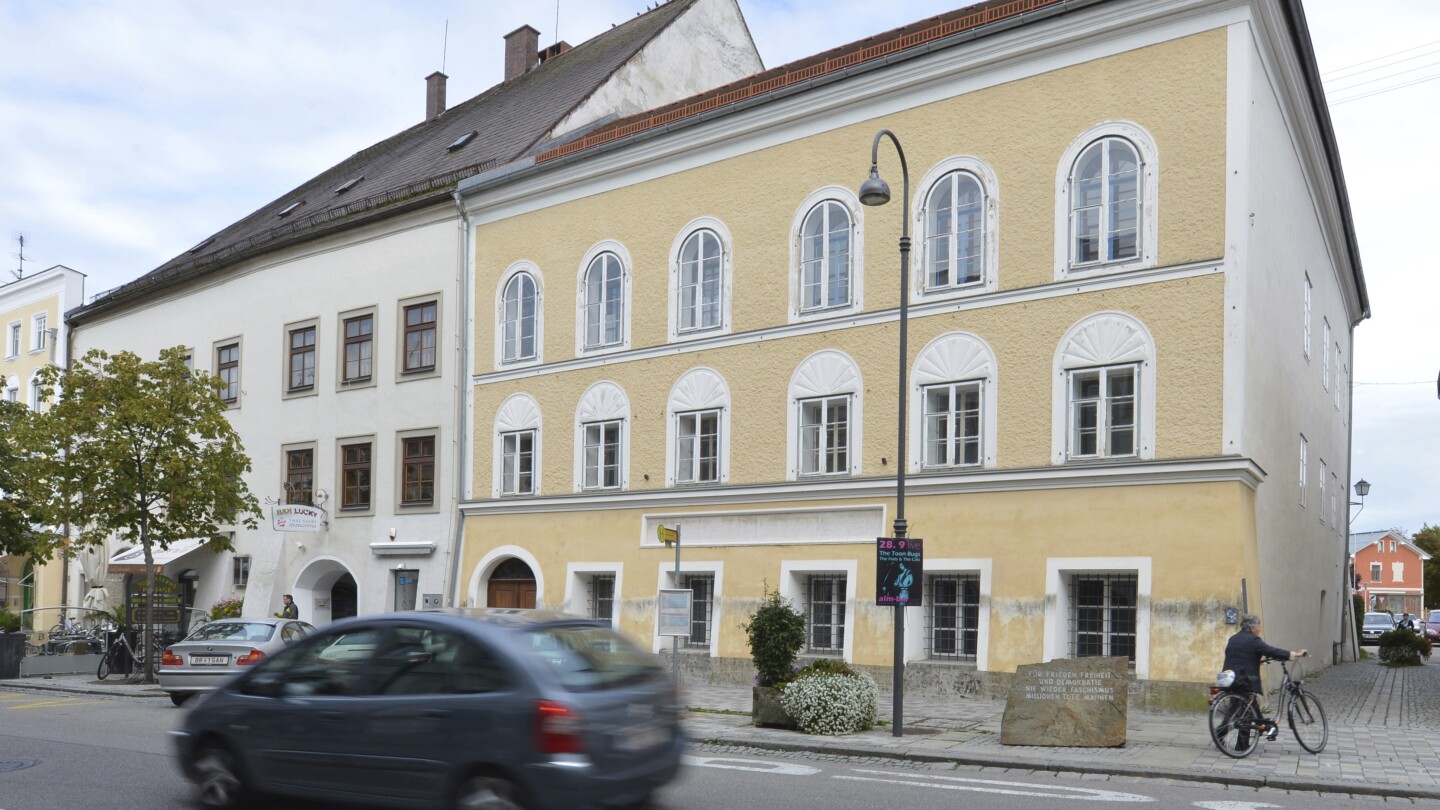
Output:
[[1106, 202], [517, 447], [954, 232], [602, 438], [1104, 391], [824, 422], [604, 301], [825, 255], [700, 280], [698, 430], [519, 319], [953, 401]]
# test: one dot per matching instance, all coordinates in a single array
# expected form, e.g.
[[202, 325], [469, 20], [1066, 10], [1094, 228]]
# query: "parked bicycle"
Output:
[[1236, 725], [121, 650]]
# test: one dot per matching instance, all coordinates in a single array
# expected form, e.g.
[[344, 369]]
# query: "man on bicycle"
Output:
[[1242, 655]]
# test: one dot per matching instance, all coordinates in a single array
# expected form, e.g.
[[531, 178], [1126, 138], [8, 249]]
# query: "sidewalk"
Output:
[[1384, 735]]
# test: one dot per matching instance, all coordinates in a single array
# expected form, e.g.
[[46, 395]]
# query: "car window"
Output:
[[425, 661], [585, 657], [233, 631], [292, 632], [333, 664]]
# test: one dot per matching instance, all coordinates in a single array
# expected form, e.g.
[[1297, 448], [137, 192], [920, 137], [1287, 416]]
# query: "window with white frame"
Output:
[[12, 342], [12, 394], [604, 301], [1103, 412], [1334, 506], [1392, 546], [41, 334], [1304, 466], [952, 424], [1105, 203], [700, 285], [1103, 615], [1375, 572], [1325, 357], [955, 232], [697, 450], [825, 435], [952, 616], [602, 596], [825, 613], [702, 607], [517, 462], [1336, 390], [1309, 288], [518, 319], [241, 569], [1320, 502], [602, 454], [826, 237], [36, 401]]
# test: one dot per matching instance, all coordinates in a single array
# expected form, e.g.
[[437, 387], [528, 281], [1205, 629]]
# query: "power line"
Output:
[[1377, 59], [1384, 90], [1382, 78], [1417, 382]]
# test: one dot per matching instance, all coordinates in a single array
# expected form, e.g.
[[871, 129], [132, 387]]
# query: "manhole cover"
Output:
[[7, 765]]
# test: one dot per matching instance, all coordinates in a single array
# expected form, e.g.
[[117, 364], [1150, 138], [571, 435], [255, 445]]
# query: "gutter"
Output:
[[463, 383]]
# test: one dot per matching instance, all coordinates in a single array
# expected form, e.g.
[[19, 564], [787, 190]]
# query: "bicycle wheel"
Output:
[[1307, 720], [103, 671], [1232, 726]]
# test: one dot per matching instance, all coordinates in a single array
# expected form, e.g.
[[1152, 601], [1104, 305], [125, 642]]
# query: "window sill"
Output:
[[355, 511]]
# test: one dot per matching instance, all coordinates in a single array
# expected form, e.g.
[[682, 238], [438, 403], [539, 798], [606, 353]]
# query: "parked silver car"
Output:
[[219, 650], [1374, 625], [456, 708]]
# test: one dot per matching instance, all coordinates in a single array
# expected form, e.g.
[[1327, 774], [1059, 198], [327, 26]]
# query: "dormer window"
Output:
[[349, 184], [462, 140], [290, 209], [202, 245]]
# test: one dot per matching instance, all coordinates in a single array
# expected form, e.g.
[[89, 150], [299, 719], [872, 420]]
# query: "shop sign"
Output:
[[167, 600], [295, 517]]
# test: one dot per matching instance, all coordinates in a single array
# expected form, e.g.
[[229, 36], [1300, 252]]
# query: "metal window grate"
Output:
[[1103, 612], [702, 605], [825, 613], [602, 596], [952, 617]]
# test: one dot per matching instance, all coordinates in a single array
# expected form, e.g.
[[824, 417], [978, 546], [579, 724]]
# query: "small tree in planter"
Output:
[[776, 632]]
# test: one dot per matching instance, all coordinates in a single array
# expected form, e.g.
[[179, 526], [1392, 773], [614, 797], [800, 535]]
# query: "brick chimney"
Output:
[[434, 94], [522, 51]]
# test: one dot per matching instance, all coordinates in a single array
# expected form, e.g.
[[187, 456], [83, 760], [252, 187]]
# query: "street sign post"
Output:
[[899, 571], [668, 536]]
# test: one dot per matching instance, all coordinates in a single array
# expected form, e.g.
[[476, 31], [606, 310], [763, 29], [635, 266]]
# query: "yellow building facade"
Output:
[[699, 328]]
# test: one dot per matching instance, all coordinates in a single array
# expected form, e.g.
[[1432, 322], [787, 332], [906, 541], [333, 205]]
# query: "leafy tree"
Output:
[[142, 451], [1428, 539], [21, 517]]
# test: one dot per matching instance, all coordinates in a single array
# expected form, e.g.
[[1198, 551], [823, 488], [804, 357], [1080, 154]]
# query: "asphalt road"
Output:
[[79, 751]]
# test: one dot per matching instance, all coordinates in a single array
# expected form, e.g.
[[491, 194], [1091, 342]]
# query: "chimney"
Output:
[[522, 51], [434, 94]]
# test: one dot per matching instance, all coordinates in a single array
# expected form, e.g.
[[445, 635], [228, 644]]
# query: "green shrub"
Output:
[[776, 632], [226, 609], [824, 666], [831, 703], [9, 622], [1402, 647]]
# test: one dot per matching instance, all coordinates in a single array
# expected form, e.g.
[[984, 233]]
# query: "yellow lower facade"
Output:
[[1042, 555]]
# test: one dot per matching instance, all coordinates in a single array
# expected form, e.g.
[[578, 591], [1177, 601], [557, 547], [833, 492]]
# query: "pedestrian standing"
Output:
[[290, 611]]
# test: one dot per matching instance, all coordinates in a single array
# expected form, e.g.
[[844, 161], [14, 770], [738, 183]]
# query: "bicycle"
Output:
[[1236, 726], [111, 660]]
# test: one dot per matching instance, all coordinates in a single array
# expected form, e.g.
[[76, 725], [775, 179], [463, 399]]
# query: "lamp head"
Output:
[[874, 191], [1362, 487]]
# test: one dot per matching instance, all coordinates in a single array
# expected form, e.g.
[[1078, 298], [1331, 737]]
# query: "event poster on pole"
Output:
[[899, 571]]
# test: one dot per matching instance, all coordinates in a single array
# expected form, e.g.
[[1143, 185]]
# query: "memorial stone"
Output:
[[1081, 702]]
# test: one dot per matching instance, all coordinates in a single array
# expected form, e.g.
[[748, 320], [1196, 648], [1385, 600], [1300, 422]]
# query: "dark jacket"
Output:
[[290, 611], [1242, 654]]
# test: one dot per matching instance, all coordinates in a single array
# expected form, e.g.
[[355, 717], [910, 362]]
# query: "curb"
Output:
[[118, 690], [1389, 790]]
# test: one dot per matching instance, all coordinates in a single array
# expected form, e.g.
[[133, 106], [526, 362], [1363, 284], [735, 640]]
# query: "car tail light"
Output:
[[252, 657], [559, 729], [170, 659]]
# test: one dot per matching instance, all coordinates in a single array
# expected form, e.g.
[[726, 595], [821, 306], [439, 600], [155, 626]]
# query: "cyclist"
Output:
[[1242, 656]]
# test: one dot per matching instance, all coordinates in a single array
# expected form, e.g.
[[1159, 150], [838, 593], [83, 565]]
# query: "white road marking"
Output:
[[1233, 805], [997, 786], [757, 765]]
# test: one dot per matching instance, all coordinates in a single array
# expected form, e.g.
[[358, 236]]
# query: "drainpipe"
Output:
[[462, 400], [69, 342]]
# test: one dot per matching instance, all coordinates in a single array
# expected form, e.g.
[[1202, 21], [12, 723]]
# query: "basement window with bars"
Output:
[[602, 596], [1103, 613], [702, 605], [952, 617], [825, 613]]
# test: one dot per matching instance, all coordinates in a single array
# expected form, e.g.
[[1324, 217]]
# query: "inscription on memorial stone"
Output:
[[1079, 702]]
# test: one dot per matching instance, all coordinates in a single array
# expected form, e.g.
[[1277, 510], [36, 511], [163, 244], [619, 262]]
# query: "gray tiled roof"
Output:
[[415, 167]]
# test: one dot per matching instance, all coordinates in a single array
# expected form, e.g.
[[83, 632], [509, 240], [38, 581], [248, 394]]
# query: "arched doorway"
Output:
[[344, 598], [325, 591], [512, 585]]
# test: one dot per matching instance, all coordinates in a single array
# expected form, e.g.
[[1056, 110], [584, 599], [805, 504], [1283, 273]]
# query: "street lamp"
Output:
[[1362, 488], [875, 191]]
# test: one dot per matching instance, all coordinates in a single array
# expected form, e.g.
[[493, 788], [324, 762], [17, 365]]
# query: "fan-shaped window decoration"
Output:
[[953, 401], [698, 429], [517, 447], [1104, 391], [824, 423]]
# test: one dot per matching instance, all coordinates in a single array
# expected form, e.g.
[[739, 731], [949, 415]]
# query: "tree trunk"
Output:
[[149, 630]]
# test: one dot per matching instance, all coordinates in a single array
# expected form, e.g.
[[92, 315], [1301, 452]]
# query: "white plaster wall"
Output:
[[708, 46], [377, 266], [1276, 239]]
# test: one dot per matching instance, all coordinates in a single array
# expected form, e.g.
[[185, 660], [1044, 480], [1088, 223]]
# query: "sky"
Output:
[[130, 130]]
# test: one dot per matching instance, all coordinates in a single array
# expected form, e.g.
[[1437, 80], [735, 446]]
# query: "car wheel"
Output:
[[217, 778], [179, 698], [487, 792]]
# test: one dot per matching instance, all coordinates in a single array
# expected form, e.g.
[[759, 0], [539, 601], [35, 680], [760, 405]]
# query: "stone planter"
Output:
[[765, 709], [12, 649]]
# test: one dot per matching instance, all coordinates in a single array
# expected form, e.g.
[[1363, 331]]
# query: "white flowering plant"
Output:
[[831, 703]]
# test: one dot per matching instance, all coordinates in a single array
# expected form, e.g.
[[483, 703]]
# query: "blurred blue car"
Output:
[[459, 708]]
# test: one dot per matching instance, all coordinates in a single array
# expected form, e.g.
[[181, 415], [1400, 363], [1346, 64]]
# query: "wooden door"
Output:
[[511, 593]]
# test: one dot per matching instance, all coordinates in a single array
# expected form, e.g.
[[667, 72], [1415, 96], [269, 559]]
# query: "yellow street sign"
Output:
[[667, 536]]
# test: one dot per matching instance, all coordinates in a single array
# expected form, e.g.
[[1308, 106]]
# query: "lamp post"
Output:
[[1362, 488], [875, 191]]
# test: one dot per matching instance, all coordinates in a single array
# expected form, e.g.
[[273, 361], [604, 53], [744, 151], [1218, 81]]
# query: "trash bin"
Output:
[[12, 649]]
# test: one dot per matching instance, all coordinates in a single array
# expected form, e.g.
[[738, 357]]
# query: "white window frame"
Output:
[[1377, 570], [699, 389], [1304, 468], [915, 617], [1320, 501], [12, 339], [989, 182], [846, 199], [1325, 357], [825, 373], [39, 334], [602, 402], [1102, 412], [676, 333], [516, 269], [1334, 505], [665, 575], [1336, 391], [510, 485], [1058, 570], [240, 568], [955, 357], [1149, 157], [582, 309], [823, 429], [1104, 339], [794, 576], [1309, 289], [578, 576], [34, 400], [518, 413]]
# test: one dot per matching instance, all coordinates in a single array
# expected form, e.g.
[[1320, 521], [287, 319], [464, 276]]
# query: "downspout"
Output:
[[65, 559], [462, 389], [1347, 622]]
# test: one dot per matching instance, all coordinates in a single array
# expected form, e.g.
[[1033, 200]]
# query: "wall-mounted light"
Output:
[[392, 534]]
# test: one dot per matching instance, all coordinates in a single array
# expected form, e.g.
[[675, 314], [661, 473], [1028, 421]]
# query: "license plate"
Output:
[[641, 738], [209, 660]]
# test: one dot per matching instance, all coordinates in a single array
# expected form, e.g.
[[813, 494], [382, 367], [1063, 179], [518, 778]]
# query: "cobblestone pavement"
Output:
[[1384, 735]]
